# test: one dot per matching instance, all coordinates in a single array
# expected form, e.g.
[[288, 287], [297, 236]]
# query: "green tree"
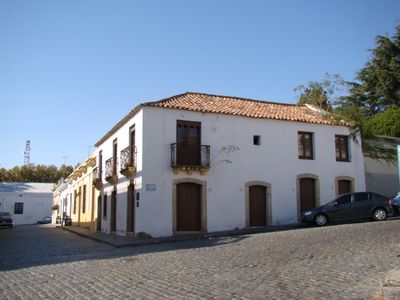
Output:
[[386, 123], [35, 173], [378, 86], [324, 94]]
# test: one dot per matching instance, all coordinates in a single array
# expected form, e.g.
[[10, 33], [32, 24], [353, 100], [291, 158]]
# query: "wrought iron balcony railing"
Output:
[[111, 170], [190, 155], [97, 181], [128, 161]]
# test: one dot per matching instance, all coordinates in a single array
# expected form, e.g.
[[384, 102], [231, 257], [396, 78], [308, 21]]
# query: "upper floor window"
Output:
[[257, 140], [100, 171], [342, 147], [18, 208], [305, 144], [84, 199], [115, 151]]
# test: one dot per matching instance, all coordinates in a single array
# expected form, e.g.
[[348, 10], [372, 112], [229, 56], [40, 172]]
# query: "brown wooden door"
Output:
[[113, 217], [130, 220], [344, 187], [307, 194], [188, 143], [98, 227], [188, 207], [258, 205]]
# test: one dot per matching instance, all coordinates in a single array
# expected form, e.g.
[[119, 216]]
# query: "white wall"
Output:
[[122, 136], [275, 161], [381, 176], [36, 206]]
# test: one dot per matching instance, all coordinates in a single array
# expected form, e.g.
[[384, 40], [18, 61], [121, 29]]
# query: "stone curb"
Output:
[[390, 285], [121, 241]]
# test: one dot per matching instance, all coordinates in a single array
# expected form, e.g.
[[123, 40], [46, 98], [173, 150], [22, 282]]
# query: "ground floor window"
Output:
[[18, 208]]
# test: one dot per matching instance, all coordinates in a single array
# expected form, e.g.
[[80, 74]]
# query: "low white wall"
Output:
[[36, 206]]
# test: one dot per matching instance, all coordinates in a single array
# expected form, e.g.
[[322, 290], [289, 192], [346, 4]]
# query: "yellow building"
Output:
[[84, 207]]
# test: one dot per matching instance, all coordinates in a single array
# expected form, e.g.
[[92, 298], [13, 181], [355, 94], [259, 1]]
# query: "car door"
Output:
[[339, 208], [360, 206]]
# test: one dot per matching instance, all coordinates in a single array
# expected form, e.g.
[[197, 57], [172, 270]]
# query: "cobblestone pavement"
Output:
[[334, 262]]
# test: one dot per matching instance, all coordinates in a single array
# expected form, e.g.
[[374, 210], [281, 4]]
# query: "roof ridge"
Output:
[[216, 95]]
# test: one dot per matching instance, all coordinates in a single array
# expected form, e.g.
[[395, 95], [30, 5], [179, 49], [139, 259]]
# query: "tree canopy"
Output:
[[35, 173], [371, 102], [373, 98]]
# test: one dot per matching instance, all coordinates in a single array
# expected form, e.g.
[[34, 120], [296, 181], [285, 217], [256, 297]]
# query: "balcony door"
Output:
[[188, 137]]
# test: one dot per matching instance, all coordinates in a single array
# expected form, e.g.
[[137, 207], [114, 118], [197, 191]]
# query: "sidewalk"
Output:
[[130, 241], [390, 286]]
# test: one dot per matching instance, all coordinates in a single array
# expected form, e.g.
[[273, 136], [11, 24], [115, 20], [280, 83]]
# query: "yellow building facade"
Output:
[[84, 207]]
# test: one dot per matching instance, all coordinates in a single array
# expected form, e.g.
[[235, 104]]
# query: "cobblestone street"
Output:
[[334, 262]]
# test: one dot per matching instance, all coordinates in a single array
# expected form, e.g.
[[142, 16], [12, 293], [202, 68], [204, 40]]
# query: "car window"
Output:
[[359, 197], [345, 199], [378, 198]]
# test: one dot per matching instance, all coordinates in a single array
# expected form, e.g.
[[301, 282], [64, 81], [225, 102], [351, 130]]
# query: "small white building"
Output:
[[202, 163], [382, 176], [27, 202], [62, 199]]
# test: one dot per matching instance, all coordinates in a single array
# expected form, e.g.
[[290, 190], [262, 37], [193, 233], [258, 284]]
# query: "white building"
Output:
[[27, 202], [198, 162], [382, 176], [62, 198]]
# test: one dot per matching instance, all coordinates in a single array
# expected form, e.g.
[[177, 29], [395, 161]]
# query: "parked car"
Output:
[[6, 219], [395, 199], [45, 220], [353, 206]]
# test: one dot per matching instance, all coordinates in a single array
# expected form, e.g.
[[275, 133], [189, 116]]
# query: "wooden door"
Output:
[[188, 207], [307, 194], [113, 217], [257, 205], [130, 220], [98, 227], [344, 187], [188, 143]]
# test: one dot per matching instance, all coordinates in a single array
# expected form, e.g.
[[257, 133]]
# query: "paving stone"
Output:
[[334, 262]]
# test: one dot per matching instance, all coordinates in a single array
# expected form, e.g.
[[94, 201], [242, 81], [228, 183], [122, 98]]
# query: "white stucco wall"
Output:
[[36, 206], [274, 162], [122, 136]]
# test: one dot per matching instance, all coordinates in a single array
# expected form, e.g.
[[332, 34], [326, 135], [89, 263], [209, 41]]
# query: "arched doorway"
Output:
[[188, 207], [344, 185], [113, 216], [257, 205], [130, 218], [98, 221], [307, 192]]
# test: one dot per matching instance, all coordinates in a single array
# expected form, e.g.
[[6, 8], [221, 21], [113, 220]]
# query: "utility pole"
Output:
[[27, 153]]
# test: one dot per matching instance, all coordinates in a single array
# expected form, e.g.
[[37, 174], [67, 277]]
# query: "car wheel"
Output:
[[379, 214], [321, 220]]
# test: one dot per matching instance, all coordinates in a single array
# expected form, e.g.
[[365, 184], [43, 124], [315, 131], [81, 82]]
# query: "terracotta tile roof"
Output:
[[241, 107], [237, 106]]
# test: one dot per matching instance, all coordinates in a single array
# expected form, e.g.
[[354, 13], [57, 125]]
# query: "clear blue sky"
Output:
[[69, 70]]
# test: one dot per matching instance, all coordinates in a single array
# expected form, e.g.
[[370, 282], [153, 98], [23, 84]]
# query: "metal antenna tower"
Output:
[[27, 153]]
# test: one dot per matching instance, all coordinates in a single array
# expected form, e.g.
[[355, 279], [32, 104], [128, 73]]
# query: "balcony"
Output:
[[97, 182], [111, 170], [189, 158], [127, 157]]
